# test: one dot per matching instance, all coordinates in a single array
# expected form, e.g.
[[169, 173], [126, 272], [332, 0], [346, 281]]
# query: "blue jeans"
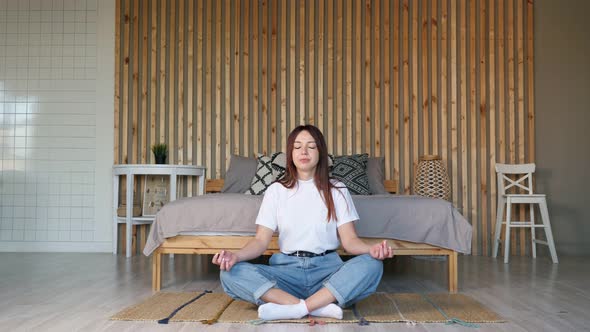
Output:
[[349, 281]]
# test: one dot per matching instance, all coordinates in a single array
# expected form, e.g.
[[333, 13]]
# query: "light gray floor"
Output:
[[65, 292]]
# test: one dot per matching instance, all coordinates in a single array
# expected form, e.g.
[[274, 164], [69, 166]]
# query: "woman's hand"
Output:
[[381, 251], [225, 260]]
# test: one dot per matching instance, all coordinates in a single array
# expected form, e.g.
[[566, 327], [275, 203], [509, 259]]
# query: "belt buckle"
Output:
[[297, 253]]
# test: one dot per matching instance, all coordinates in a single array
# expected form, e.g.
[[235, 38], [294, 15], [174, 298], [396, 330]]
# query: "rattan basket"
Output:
[[431, 178]]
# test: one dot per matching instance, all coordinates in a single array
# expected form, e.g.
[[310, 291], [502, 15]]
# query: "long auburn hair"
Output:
[[322, 173]]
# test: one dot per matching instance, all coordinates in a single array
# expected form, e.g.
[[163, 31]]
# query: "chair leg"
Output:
[[498, 230], [507, 239], [533, 243], [548, 233]]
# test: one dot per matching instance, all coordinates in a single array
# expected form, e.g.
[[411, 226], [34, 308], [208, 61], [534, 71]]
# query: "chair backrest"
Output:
[[524, 182]]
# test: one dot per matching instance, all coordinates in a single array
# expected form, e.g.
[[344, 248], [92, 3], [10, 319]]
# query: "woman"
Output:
[[311, 213]]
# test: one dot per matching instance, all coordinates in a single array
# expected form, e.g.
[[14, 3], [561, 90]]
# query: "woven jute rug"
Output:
[[209, 308]]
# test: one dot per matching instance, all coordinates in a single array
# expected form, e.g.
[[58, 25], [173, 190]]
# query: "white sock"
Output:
[[273, 311], [330, 311]]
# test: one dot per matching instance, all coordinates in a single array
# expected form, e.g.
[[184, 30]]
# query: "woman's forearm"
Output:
[[256, 246], [356, 246], [251, 250]]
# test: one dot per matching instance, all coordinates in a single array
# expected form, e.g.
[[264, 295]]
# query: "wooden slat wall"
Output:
[[393, 78]]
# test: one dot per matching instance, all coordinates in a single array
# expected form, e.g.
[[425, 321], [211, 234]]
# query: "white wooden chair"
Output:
[[507, 199]]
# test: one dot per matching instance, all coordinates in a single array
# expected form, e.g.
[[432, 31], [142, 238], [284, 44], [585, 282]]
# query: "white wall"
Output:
[[56, 124], [562, 87]]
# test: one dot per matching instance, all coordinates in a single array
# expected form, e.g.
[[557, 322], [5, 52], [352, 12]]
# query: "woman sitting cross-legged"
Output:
[[312, 214]]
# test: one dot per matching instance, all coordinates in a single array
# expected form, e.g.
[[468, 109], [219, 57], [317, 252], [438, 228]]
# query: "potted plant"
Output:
[[160, 151]]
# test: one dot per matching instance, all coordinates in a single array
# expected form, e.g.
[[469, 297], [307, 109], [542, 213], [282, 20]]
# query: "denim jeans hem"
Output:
[[261, 290], [339, 298]]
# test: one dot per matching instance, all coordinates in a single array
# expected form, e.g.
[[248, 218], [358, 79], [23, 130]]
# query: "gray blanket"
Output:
[[409, 218]]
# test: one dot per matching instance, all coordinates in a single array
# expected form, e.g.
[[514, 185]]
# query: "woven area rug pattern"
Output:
[[379, 307]]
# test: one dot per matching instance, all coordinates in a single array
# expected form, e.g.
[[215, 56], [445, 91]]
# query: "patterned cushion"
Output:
[[352, 171], [269, 169]]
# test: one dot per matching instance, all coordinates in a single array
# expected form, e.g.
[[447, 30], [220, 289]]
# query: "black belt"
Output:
[[301, 253]]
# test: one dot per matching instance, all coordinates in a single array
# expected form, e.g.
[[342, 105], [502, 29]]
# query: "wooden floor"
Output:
[[66, 292]]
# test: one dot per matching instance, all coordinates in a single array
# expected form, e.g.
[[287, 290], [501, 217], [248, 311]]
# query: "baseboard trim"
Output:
[[24, 246]]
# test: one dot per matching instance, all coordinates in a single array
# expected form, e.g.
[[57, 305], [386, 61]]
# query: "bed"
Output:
[[412, 225]]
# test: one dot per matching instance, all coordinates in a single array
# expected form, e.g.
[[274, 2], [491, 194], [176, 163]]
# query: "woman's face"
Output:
[[305, 152]]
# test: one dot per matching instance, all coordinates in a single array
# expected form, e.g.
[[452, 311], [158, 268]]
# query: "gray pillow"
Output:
[[239, 174], [376, 174]]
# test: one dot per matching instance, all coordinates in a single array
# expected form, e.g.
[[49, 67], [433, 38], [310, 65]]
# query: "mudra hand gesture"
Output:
[[381, 251], [225, 260]]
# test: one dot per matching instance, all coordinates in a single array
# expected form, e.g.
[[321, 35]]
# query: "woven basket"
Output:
[[431, 178]]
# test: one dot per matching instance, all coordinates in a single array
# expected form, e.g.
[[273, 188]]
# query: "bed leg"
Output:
[[156, 271], [453, 273]]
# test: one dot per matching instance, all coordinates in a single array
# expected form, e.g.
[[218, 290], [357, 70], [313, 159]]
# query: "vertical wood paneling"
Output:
[[492, 14], [463, 63], [152, 91], [245, 97], [235, 75], [310, 59], [405, 82], [395, 169], [273, 109], [320, 45], [424, 59], [190, 134], [348, 72], [483, 113], [385, 50], [117, 106], [226, 109], [338, 109], [134, 58], [264, 76], [301, 46], [329, 131], [444, 77], [217, 84], [357, 78], [284, 51], [375, 137], [396, 78], [435, 76], [454, 129], [198, 121], [171, 76], [255, 75], [161, 129], [179, 111], [530, 93], [144, 112], [415, 93], [472, 115], [208, 111], [511, 109], [125, 134], [290, 54], [520, 132], [366, 74]]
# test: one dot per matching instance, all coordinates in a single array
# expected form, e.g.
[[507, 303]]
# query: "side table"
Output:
[[130, 171]]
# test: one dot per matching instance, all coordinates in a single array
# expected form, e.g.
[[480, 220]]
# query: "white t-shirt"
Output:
[[299, 214]]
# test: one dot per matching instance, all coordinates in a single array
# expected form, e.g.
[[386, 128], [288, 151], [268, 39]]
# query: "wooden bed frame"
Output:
[[189, 244]]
